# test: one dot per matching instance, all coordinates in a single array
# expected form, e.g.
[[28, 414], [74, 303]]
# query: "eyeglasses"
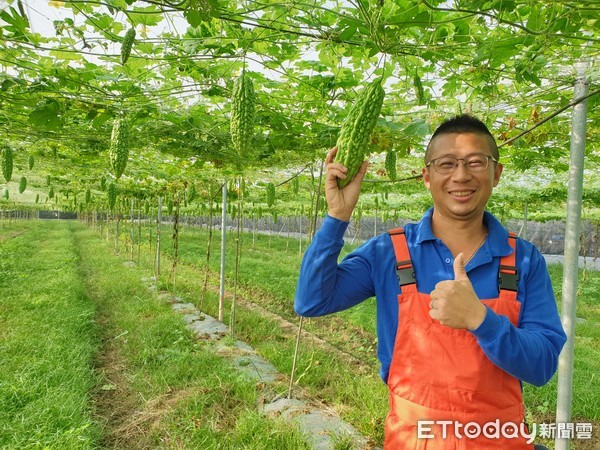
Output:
[[448, 164]]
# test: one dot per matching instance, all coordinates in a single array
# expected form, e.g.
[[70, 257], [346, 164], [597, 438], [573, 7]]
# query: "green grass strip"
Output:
[[164, 388], [48, 341]]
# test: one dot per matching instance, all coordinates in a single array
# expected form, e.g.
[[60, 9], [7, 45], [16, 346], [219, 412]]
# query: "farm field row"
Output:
[[163, 393], [90, 359]]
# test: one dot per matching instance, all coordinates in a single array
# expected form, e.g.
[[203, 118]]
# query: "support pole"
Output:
[[223, 247], [571, 256], [159, 220]]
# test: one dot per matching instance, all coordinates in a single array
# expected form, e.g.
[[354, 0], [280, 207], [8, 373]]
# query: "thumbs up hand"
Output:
[[454, 302]]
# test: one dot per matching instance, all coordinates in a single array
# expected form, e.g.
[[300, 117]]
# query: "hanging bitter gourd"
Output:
[[30, 162], [127, 45], [192, 193], [353, 140], [22, 185], [390, 164], [119, 147], [111, 195], [7, 163], [419, 91], [270, 194], [242, 114]]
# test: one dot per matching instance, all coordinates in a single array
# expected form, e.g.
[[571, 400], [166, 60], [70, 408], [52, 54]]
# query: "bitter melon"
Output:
[[119, 147], [7, 163], [353, 140], [192, 193], [390, 164], [127, 45], [270, 194], [22, 185], [112, 195], [242, 114]]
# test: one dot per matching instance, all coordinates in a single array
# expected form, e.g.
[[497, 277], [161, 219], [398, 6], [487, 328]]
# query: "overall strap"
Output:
[[508, 275], [404, 268]]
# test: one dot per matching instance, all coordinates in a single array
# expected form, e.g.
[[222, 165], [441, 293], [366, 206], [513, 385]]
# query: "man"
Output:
[[465, 312]]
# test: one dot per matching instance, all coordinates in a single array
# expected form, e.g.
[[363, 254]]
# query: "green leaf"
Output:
[[148, 16], [419, 128], [46, 115], [17, 23]]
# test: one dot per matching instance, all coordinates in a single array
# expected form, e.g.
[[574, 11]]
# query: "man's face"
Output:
[[461, 194]]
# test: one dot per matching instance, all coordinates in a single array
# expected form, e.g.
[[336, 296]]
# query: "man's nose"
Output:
[[461, 171]]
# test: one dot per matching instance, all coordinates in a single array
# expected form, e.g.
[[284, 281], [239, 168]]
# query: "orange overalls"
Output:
[[441, 374]]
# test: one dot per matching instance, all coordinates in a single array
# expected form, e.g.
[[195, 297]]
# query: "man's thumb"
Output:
[[459, 268]]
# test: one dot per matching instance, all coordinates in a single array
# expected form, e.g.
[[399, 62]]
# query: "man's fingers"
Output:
[[337, 170], [331, 155], [459, 268]]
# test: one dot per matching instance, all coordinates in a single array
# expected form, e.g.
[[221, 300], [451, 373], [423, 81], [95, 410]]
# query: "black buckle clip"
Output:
[[509, 281], [405, 272]]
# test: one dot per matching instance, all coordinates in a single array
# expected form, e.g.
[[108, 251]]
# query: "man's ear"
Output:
[[426, 181], [497, 172]]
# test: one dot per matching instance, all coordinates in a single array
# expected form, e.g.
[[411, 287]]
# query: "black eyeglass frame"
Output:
[[487, 164]]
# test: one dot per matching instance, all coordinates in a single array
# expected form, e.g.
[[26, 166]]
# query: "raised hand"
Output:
[[341, 202], [454, 302]]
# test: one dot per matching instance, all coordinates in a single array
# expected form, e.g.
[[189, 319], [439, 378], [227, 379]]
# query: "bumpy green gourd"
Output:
[[119, 147], [51, 192], [6, 194], [390, 164], [37, 198], [169, 206], [22, 185], [192, 193], [353, 140], [103, 183], [419, 91], [270, 194], [48, 180], [30, 162], [7, 163], [111, 194], [127, 44], [242, 114], [88, 195]]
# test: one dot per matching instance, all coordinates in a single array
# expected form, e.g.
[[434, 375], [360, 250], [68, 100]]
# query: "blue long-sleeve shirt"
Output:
[[528, 351]]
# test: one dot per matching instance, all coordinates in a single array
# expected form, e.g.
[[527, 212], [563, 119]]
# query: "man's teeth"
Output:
[[462, 193]]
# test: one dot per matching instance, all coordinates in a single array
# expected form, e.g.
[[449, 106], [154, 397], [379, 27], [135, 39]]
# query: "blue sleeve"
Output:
[[530, 351], [324, 286]]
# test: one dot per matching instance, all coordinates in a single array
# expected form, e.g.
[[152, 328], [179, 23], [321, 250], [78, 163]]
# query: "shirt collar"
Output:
[[497, 234]]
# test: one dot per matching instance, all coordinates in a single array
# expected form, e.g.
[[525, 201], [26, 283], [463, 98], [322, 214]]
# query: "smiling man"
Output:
[[465, 310]]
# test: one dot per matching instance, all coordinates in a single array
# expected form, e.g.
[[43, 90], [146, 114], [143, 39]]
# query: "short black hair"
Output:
[[463, 123]]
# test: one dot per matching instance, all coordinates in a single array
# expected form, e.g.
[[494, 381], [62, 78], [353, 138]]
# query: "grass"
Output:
[[49, 339], [118, 369]]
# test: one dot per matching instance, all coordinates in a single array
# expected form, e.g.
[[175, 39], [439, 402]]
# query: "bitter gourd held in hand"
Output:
[[356, 130]]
